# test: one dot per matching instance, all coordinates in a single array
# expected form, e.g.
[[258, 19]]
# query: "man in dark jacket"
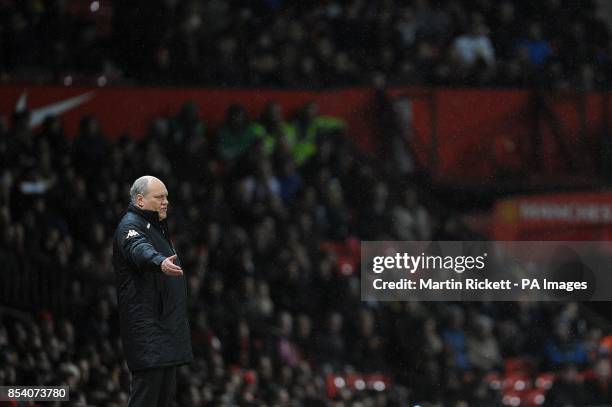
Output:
[[152, 296]]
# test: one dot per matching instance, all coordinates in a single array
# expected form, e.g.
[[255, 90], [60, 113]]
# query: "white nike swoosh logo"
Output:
[[37, 116]]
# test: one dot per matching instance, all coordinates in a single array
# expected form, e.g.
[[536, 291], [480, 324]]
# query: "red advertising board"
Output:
[[131, 110], [577, 216], [468, 136]]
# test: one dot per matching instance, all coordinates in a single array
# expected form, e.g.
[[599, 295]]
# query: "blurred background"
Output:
[[287, 132]]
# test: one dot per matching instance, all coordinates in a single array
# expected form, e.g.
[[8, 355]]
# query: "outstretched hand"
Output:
[[169, 268]]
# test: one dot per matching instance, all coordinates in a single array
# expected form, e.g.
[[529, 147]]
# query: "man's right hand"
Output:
[[169, 268]]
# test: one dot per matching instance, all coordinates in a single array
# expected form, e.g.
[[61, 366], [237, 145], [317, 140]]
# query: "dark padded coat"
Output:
[[152, 305]]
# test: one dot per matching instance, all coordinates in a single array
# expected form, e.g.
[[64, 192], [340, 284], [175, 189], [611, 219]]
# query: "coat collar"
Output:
[[150, 216]]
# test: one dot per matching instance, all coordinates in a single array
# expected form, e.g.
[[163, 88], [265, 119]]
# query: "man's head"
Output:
[[150, 193]]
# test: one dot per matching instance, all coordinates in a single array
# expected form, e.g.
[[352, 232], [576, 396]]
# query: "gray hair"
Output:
[[139, 187]]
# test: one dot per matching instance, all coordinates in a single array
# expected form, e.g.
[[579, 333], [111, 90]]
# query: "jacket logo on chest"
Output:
[[131, 233]]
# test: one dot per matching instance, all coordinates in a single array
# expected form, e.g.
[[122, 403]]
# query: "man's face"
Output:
[[155, 199]]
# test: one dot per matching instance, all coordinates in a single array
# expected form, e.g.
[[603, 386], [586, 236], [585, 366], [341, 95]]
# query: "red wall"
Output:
[[477, 131], [131, 110]]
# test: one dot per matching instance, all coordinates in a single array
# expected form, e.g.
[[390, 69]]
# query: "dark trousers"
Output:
[[154, 387]]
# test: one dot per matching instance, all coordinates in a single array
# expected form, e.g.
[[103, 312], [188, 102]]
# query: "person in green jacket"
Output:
[[237, 134], [309, 125], [279, 134]]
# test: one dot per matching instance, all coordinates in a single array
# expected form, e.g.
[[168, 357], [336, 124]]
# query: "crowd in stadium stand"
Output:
[[558, 44], [265, 215]]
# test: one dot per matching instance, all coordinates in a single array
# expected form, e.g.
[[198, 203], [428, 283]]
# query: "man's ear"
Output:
[[139, 201]]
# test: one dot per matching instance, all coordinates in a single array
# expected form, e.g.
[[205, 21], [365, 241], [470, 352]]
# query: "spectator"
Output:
[[483, 351], [330, 345], [280, 135], [537, 48], [505, 31], [237, 134], [309, 126], [566, 390], [599, 388], [563, 347], [410, 219], [290, 182], [286, 349], [304, 339], [456, 342], [90, 148], [368, 346], [474, 46]]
